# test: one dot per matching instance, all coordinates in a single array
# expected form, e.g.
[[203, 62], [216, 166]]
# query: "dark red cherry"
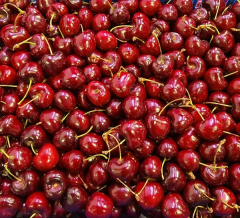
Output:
[[72, 161], [10, 105], [69, 25], [35, 23], [132, 5], [168, 12], [10, 125], [146, 150], [198, 91], [234, 182], [72, 5], [188, 160], [231, 147], [92, 72], [220, 41], [5, 56], [128, 52], [114, 109], [235, 112], [83, 100], [105, 40], [10, 205], [63, 44], [19, 59], [65, 100], [171, 41], [58, 210], [167, 148], [226, 21], [184, 26], [173, 205], [119, 14], [214, 6], [100, 122], [228, 122], [199, 14], [6, 16], [75, 61], [154, 106], [183, 7], [86, 17], [195, 46], [215, 57], [8, 75]]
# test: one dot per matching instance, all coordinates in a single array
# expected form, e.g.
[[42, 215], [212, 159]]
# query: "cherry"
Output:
[[228, 122], [185, 26], [114, 109], [105, 40], [10, 205], [72, 160], [101, 22], [27, 184], [99, 204], [6, 16], [98, 173], [5, 56], [214, 6], [58, 210], [154, 106], [181, 75], [55, 184], [75, 61], [183, 7], [100, 6], [91, 72], [144, 62], [8, 34], [8, 75], [173, 205], [6, 186], [43, 5], [188, 160], [75, 200], [212, 151], [146, 150], [18, 158], [226, 21], [63, 44], [234, 177], [91, 144], [19, 59], [174, 179], [198, 90], [47, 158], [150, 194], [199, 15], [35, 23], [171, 41], [215, 57], [220, 41], [33, 136], [98, 93], [72, 5], [100, 122], [158, 27], [119, 14], [224, 197], [167, 148], [10, 104], [128, 52], [168, 12], [86, 17], [219, 98], [231, 147], [124, 169], [69, 25], [132, 5], [11, 125], [214, 176], [235, 112], [65, 100], [37, 203], [195, 46], [133, 209], [139, 90], [196, 193], [83, 100]]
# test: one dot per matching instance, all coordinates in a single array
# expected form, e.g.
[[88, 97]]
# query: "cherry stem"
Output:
[[126, 186], [136, 38], [208, 27], [84, 184], [89, 112], [214, 167], [238, 1], [108, 68], [230, 74], [218, 6], [11, 86], [6, 168], [211, 39], [7, 156], [184, 20], [8, 141], [49, 47], [203, 192], [225, 9], [5, 6], [25, 124], [233, 207], [33, 150], [96, 155], [39, 123], [168, 2], [195, 211], [142, 80], [103, 59], [160, 47], [110, 5], [220, 104], [60, 31], [26, 94], [234, 29], [90, 129], [120, 27], [213, 109], [64, 118], [120, 40], [164, 160], [217, 151], [188, 63], [23, 42], [85, 3], [3, 102], [192, 176], [179, 99], [33, 215], [82, 28], [29, 101], [15, 21], [137, 195], [229, 133], [51, 26], [122, 69]]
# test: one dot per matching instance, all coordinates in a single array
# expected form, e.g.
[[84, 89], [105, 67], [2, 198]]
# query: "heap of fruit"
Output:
[[119, 108]]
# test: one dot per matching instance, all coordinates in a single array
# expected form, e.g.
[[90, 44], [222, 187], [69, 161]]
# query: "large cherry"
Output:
[[10, 205]]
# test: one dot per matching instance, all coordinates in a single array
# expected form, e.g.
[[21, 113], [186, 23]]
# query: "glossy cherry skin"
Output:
[[91, 144], [120, 195], [98, 206], [144, 62], [212, 6], [195, 68], [128, 52], [232, 146], [211, 128], [72, 5], [84, 44], [182, 27], [214, 177], [100, 122], [124, 169], [35, 23], [86, 17], [47, 158], [38, 203], [75, 200], [173, 206], [154, 106], [194, 197], [10, 105], [70, 25], [220, 41], [223, 194], [72, 160], [151, 196], [55, 184], [28, 184], [8, 75], [234, 182], [6, 16], [169, 92], [105, 40], [188, 160], [19, 59], [10, 205], [43, 5], [98, 93], [198, 90], [234, 87], [228, 122], [98, 173], [146, 150], [8, 36], [6, 186], [92, 72], [196, 47], [65, 100], [119, 14], [63, 44], [219, 97], [215, 57], [207, 151], [171, 41], [101, 22], [78, 121], [58, 210], [132, 5], [134, 132], [22, 158], [11, 125], [235, 112], [167, 148], [65, 139], [75, 61], [199, 14], [174, 178], [180, 119], [114, 109], [5, 56], [151, 168]]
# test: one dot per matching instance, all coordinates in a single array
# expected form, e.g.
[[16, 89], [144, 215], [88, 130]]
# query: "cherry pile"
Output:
[[127, 108]]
